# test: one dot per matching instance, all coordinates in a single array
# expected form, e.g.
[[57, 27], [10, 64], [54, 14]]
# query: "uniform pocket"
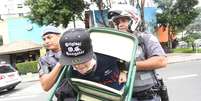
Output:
[[144, 80]]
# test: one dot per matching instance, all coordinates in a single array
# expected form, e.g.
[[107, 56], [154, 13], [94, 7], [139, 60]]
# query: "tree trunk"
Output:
[[193, 46], [169, 37], [74, 24]]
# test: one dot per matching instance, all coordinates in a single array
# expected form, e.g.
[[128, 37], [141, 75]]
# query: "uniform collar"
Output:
[[54, 54]]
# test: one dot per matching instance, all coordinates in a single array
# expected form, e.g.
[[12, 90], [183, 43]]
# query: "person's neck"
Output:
[[92, 67], [93, 63], [56, 50]]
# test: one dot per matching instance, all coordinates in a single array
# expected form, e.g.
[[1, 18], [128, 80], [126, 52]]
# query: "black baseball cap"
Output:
[[76, 47]]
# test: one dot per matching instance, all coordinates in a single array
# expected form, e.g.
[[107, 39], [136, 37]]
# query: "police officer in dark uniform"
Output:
[[150, 55]]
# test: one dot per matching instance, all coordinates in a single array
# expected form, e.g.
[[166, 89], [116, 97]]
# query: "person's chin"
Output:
[[51, 47], [82, 72]]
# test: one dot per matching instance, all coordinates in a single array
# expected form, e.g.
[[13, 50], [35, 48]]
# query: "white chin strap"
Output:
[[134, 24]]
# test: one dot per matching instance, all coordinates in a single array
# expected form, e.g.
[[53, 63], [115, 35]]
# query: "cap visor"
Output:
[[75, 60]]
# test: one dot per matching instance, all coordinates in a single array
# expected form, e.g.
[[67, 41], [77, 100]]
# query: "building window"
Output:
[[19, 6], [27, 56], [21, 14]]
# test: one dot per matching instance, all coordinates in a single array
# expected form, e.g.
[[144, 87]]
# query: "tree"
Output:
[[1, 40], [195, 26], [177, 14], [191, 37], [55, 12]]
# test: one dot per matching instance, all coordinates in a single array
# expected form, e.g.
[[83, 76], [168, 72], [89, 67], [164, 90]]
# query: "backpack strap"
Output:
[[142, 45]]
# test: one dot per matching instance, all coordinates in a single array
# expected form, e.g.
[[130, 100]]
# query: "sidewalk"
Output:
[[172, 58], [29, 77], [182, 57]]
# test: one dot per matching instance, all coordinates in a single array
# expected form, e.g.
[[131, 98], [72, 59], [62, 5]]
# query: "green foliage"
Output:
[[195, 25], [56, 12], [185, 12], [1, 40], [184, 50], [26, 67], [191, 37], [178, 15]]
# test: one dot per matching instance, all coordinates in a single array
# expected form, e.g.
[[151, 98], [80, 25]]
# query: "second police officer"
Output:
[[150, 54]]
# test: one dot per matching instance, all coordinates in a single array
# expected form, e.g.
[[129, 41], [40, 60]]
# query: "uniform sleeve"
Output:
[[152, 46], [42, 66]]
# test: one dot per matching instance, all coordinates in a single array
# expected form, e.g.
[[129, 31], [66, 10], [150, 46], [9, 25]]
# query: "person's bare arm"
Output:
[[151, 63], [48, 80]]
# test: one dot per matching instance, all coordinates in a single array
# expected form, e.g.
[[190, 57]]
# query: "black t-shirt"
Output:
[[106, 72]]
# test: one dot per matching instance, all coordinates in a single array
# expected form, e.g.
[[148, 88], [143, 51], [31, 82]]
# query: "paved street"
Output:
[[25, 91], [183, 80]]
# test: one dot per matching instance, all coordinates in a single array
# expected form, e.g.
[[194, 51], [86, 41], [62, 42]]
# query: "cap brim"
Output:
[[51, 33], [75, 60], [118, 17]]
